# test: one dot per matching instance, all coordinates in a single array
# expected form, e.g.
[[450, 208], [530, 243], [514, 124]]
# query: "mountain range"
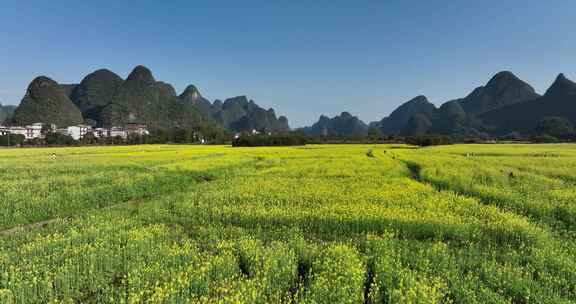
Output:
[[343, 125], [103, 98], [506, 104]]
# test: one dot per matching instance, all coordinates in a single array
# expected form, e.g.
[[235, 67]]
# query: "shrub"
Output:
[[269, 140], [429, 140], [11, 140]]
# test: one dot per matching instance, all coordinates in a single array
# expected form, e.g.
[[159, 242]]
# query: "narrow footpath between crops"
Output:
[[415, 173], [203, 177]]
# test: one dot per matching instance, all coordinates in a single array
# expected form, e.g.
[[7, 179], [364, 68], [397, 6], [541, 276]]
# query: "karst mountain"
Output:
[[104, 99], [505, 104]]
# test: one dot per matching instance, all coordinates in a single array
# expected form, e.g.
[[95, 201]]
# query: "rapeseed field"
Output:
[[311, 224]]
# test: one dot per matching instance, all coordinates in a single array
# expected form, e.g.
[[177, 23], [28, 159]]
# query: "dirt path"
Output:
[[27, 227], [44, 223], [204, 178]]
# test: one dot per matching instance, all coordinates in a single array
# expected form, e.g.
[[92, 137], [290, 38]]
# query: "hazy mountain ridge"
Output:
[[504, 104], [6, 112], [343, 125]]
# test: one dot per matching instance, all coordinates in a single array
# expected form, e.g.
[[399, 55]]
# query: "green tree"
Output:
[[57, 139], [12, 140], [374, 133], [555, 126]]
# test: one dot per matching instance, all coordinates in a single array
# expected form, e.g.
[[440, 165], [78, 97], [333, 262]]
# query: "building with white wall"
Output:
[[79, 131], [4, 130], [138, 129], [101, 132], [34, 131], [29, 132], [118, 132]]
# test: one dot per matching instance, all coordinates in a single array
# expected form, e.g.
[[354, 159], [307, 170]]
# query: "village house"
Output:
[[62, 131], [101, 132], [252, 132], [4, 131], [79, 131], [18, 131], [138, 129], [32, 131], [118, 132]]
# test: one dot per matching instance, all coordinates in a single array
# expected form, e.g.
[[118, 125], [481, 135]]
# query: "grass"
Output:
[[314, 224]]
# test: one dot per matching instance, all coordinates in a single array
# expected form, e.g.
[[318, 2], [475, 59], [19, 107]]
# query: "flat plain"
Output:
[[310, 224]]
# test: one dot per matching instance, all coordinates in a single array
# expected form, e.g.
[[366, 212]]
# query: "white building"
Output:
[[16, 131], [62, 131], [138, 129], [101, 132], [34, 131], [118, 131], [79, 131]]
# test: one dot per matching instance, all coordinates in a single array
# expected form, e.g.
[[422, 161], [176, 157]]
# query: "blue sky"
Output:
[[303, 58]]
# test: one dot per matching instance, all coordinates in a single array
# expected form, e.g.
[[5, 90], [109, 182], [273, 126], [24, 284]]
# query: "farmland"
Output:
[[310, 224]]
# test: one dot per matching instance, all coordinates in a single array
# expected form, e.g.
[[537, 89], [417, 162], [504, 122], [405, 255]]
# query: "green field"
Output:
[[312, 224]]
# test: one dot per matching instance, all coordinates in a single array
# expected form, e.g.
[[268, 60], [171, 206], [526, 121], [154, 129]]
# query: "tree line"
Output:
[[548, 130]]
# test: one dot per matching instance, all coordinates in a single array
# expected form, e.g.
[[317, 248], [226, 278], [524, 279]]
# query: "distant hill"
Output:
[[103, 98], [505, 104], [95, 92], [142, 99], [396, 122], [558, 101], [6, 112], [239, 113], [343, 125], [46, 101], [449, 119], [502, 90], [193, 101]]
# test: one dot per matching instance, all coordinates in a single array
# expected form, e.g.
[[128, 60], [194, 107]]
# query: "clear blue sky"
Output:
[[302, 57]]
